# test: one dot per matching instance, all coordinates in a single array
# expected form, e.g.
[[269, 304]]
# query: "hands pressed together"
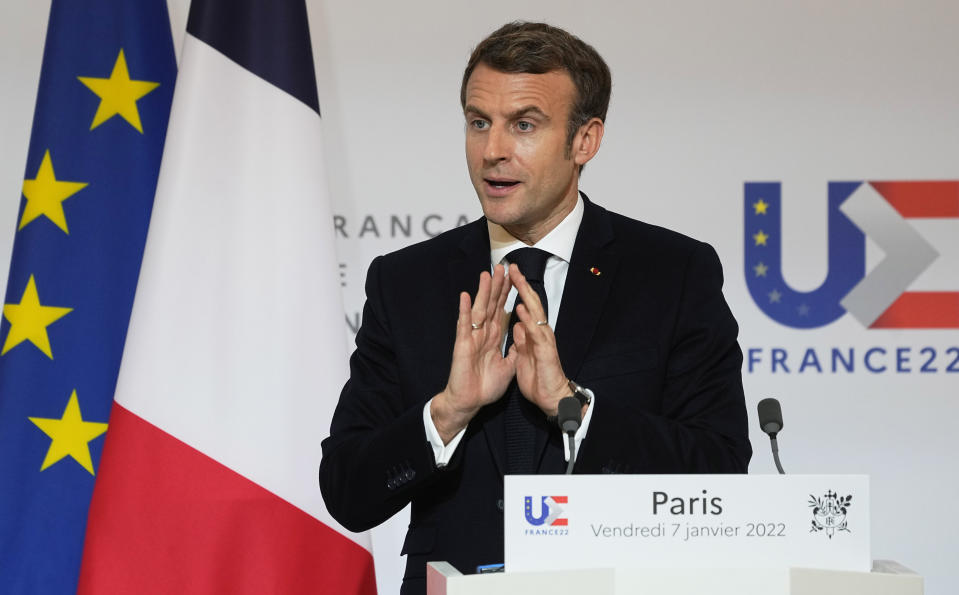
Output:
[[479, 374]]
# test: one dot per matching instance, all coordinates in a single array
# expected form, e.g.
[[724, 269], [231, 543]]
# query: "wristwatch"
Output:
[[581, 394]]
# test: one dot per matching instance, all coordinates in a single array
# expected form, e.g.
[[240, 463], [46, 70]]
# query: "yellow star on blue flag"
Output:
[[69, 435], [118, 94], [29, 320], [45, 195]]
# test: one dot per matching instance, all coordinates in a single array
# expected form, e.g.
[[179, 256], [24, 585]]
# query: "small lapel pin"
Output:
[[596, 272]]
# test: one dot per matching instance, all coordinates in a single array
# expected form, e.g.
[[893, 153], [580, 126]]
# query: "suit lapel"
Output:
[[584, 299], [471, 259], [592, 268]]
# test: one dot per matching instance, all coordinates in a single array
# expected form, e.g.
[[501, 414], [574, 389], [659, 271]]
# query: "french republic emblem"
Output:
[[829, 513]]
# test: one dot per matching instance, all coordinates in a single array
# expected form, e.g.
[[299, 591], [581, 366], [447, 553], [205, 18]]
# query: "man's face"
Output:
[[516, 148]]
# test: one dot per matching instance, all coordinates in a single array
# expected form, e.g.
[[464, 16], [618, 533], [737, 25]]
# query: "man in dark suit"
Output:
[[435, 414]]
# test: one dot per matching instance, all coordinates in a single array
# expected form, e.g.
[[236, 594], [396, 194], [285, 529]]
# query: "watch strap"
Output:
[[580, 393]]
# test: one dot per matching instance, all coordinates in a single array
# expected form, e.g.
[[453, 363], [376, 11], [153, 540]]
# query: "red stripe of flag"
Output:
[[930, 199], [180, 522], [921, 309]]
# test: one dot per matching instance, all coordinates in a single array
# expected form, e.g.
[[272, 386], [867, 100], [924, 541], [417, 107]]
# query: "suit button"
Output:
[[499, 504]]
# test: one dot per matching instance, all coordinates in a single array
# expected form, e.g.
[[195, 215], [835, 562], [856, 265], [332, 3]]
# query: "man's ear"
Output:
[[587, 140]]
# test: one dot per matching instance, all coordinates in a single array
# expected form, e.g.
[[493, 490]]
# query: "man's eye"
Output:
[[524, 126], [479, 124]]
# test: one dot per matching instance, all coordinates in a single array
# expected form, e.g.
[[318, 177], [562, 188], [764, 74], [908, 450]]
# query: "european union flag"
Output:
[[101, 116]]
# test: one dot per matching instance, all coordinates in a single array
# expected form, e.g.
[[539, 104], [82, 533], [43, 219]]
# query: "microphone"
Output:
[[568, 414], [568, 418], [771, 422]]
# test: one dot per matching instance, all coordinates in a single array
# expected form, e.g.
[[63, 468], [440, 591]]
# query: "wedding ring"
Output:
[[542, 322], [475, 326]]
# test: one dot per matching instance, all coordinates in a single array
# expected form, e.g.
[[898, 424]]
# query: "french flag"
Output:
[[236, 348]]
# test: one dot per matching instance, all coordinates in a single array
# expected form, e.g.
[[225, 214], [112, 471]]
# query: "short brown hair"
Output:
[[538, 48]]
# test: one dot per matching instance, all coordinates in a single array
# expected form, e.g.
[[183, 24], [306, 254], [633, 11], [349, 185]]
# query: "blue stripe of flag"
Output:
[[270, 39]]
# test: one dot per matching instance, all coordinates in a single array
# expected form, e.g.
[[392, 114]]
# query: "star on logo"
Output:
[[760, 207], [775, 296], [760, 238], [118, 94], [45, 195], [760, 269], [29, 320], [69, 436], [803, 310]]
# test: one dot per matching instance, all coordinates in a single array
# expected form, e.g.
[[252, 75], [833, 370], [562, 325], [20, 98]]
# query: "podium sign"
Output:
[[557, 522]]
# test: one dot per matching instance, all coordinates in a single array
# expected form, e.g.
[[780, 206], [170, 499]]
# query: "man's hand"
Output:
[[479, 374], [539, 372]]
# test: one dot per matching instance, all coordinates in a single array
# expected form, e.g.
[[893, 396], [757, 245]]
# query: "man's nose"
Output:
[[499, 144]]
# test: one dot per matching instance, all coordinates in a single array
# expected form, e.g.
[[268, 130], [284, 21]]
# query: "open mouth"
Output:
[[501, 183]]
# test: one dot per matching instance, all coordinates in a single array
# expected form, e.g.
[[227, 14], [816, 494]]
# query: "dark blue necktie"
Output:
[[520, 433]]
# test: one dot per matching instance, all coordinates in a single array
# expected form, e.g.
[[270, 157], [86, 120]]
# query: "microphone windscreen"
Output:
[[770, 416], [568, 415]]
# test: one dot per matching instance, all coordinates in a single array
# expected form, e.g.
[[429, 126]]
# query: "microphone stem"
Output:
[[775, 446], [572, 452]]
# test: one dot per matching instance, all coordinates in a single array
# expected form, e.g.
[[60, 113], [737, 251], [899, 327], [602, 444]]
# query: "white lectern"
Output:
[[684, 535]]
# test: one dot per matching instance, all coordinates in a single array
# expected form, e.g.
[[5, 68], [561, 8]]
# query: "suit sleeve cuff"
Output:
[[442, 453]]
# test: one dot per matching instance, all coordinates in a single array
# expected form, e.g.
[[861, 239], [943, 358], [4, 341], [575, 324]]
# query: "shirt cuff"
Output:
[[442, 453], [583, 427]]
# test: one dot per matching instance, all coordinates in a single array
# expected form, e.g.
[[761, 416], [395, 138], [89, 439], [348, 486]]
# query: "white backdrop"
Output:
[[706, 96]]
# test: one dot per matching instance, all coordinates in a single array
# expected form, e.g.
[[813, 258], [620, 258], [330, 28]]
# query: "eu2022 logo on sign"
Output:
[[549, 511], [857, 210]]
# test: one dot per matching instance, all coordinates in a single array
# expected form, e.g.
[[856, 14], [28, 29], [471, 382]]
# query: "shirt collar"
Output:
[[558, 242]]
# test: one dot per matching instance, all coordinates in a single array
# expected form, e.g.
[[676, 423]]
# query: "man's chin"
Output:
[[499, 211]]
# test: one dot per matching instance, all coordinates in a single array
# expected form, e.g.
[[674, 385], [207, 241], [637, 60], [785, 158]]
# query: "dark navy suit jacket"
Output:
[[643, 323]]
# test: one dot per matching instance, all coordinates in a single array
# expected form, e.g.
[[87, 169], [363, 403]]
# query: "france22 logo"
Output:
[[879, 210], [549, 512]]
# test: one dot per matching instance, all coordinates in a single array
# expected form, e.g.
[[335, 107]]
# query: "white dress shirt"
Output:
[[558, 242]]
